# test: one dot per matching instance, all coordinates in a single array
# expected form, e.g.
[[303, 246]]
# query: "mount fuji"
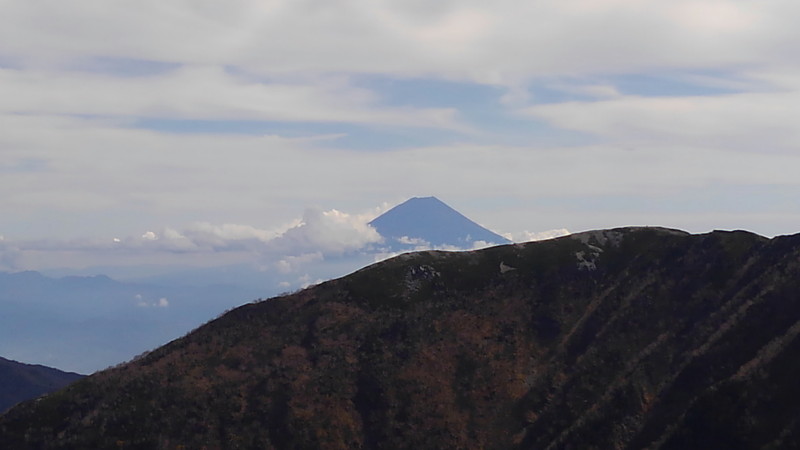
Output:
[[429, 222]]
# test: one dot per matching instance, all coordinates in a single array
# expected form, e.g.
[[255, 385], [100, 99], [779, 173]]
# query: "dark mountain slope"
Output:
[[628, 338], [433, 221], [20, 381]]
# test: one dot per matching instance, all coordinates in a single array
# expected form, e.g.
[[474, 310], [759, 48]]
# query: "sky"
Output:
[[204, 132]]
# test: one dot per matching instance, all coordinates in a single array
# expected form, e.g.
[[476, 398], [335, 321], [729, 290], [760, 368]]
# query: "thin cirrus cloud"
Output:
[[759, 122], [205, 92]]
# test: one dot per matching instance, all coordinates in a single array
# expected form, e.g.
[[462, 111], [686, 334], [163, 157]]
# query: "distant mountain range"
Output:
[[20, 381], [429, 222], [626, 338]]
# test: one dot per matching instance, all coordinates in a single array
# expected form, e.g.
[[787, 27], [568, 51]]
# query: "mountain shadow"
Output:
[[628, 338]]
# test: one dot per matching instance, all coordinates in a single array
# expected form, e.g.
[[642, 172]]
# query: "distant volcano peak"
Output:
[[429, 221]]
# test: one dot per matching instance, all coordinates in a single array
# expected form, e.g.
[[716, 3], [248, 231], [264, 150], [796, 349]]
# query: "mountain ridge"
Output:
[[20, 381], [622, 338]]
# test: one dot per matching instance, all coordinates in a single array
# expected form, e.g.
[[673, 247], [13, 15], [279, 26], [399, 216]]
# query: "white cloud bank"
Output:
[[317, 235], [299, 251], [326, 233], [330, 232]]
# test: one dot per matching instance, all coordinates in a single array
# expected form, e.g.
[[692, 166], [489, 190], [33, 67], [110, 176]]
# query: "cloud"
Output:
[[477, 245], [419, 244], [759, 122], [207, 92], [331, 232], [413, 241], [231, 231], [528, 236], [291, 263], [204, 236], [142, 303], [304, 242], [457, 39], [316, 235]]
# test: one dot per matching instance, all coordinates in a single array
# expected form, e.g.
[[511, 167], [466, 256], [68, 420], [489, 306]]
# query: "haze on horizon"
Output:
[[148, 132]]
